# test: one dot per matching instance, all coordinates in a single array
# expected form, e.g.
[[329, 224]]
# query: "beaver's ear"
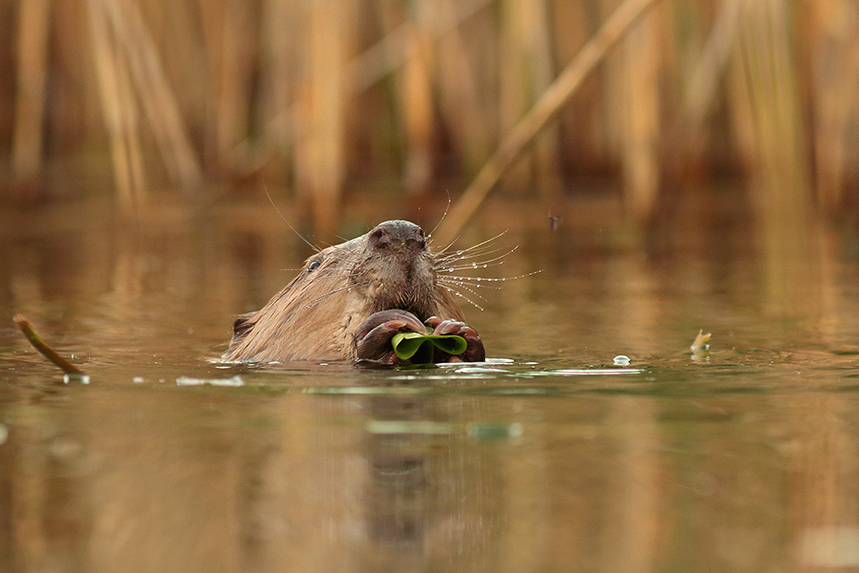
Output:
[[243, 324]]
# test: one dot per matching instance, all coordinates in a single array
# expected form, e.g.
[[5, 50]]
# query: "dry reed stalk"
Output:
[[580, 123], [773, 92], [526, 71], [701, 88], [212, 25], [128, 109], [740, 105], [234, 78], [118, 110], [324, 156], [395, 49], [278, 37], [418, 106], [781, 192], [547, 157], [361, 72], [174, 31], [467, 114], [155, 95], [516, 92], [834, 67], [546, 107], [612, 98], [31, 77], [641, 120]]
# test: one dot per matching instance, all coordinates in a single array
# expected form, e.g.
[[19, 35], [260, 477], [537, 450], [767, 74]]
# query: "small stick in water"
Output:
[[43, 348]]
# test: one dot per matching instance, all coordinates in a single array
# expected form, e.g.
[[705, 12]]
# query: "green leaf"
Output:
[[453, 344], [407, 344], [420, 347]]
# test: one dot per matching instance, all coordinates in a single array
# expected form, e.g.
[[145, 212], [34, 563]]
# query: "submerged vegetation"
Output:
[[310, 96]]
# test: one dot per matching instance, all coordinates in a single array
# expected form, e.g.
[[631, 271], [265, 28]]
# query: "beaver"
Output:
[[349, 300]]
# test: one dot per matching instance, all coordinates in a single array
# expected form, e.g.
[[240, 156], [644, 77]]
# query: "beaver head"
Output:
[[316, 315]]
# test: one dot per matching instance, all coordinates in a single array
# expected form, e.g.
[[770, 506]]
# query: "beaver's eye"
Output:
[[314, 264]]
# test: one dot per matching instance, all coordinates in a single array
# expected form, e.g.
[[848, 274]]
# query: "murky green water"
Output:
[[548, 458]]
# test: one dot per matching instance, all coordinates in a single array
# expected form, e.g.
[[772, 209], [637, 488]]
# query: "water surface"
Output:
[[547, 458]]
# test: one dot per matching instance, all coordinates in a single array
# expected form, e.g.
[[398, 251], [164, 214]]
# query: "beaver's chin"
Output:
[[415, 300], [420, 311]]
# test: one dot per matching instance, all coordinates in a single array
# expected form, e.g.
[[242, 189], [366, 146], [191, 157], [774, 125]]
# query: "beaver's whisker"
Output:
[[476, 247], [483, 253], [444, 253], [462, 296], [470, 288], [464, 266], [471, 285], [447, 252], [474, 260], [294, 230], [475, 280], [489, 279], [443, 215], [488, 256]]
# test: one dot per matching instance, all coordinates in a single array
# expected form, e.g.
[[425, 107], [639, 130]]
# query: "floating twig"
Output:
[[43, 348]]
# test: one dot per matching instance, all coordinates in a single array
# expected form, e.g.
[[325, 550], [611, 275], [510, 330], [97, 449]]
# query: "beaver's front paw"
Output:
[[373, 337], [474, 351]]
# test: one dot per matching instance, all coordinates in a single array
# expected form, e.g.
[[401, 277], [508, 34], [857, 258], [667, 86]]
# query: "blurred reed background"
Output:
[[317, 98]]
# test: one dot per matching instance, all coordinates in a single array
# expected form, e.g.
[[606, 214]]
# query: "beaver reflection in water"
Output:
[[349, 300]]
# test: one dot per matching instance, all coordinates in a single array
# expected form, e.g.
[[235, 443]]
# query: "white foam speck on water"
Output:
[[69, 378], [233, 382], [479, 370], [587, 372]]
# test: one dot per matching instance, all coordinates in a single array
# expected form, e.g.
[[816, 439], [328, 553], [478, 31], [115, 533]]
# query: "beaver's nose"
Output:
[[395, 233]]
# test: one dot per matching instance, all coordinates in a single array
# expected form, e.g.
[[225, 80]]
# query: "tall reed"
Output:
[[31, 73], [193, 91]]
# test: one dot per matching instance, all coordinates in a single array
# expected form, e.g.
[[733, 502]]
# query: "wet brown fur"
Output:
[[316, 315]]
